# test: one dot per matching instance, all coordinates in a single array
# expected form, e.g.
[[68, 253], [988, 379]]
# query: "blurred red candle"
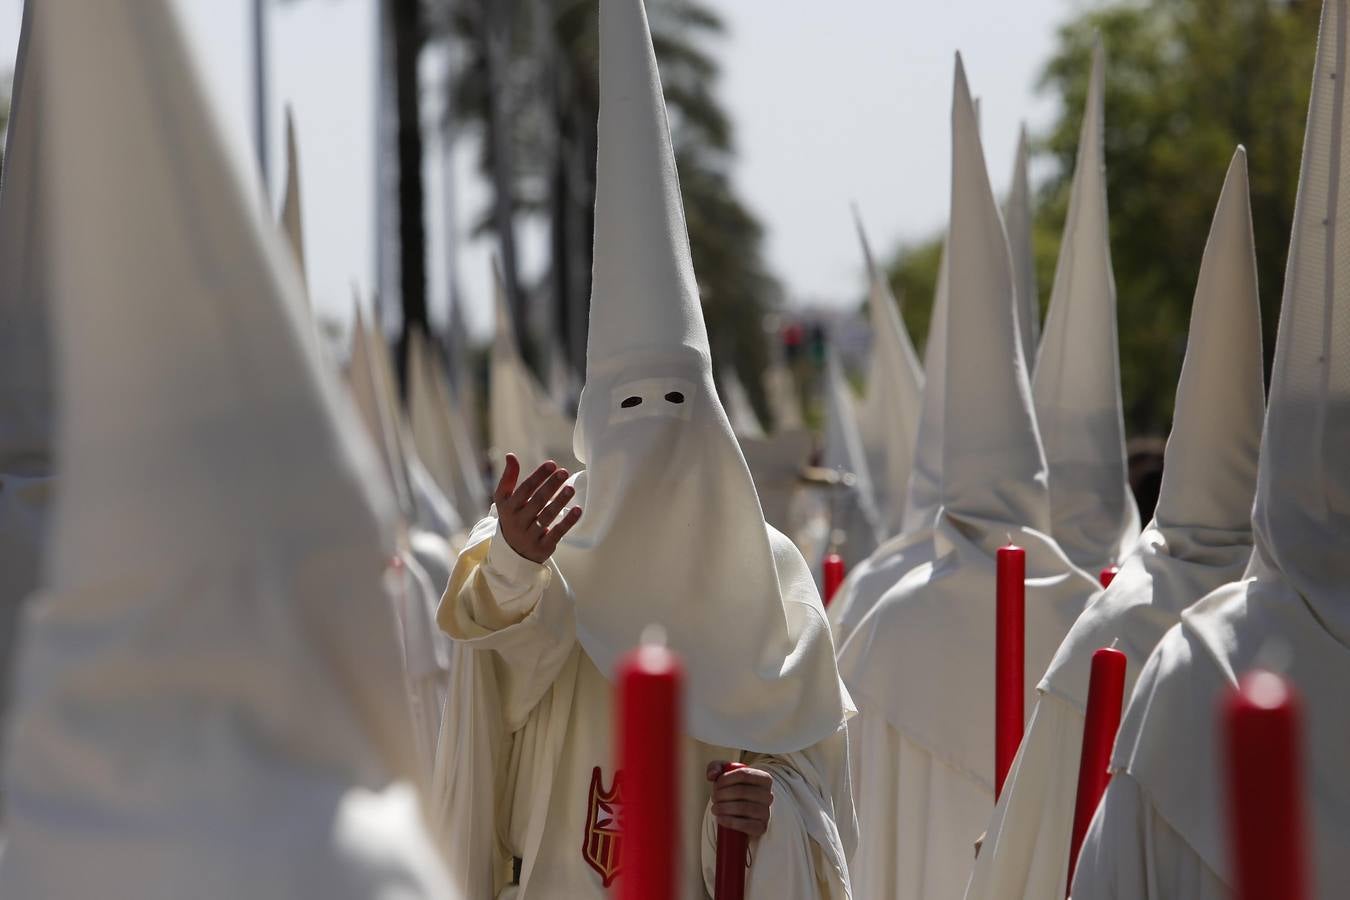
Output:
[[1262, 720], [733, 849], [1108, 575], [650, 685], [1106, 697], [1009, 663], [834, 576]]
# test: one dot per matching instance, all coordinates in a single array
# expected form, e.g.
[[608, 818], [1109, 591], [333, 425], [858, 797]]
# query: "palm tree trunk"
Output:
[[408, 33]]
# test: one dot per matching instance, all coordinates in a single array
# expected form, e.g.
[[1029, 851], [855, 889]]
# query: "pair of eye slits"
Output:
[[676, 397]]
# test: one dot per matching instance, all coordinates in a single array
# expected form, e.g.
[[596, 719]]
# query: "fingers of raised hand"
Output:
[[522, 494], [557, 532], [544, 493], [507, 483], [555, 506]]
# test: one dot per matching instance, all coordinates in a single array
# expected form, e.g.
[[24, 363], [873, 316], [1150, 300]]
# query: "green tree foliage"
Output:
[[1186, 81]]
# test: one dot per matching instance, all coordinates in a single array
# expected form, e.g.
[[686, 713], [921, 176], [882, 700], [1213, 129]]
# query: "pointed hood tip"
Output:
[[1210, 462]]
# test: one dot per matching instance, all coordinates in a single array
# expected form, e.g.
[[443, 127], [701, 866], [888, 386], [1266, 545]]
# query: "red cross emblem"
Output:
[[600, 840]]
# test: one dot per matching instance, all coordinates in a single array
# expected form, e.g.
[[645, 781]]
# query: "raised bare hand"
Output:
[[526, 512]]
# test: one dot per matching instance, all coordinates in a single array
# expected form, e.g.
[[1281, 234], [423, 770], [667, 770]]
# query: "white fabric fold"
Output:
[[209, 702]]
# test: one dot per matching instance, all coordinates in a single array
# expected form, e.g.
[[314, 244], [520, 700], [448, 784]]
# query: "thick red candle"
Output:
[[1262, 721], [1009, 659], [733, 849], [834, 576], [1108, 575], [1106, 696], [650, 684]]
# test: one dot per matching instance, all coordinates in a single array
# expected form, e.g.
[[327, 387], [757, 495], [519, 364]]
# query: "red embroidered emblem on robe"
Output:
[[600, 840]]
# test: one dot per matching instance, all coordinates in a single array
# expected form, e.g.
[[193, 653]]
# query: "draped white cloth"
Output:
[[1199, 540], [1292, 611], [1076, 384], [209, 701], [920, 662]]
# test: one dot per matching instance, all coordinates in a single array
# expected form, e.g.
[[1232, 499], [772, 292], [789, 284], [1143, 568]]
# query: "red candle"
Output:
[[834, 576], [1106, 696], [650, 684], [1009, 661], [1108, 575], [733, 849], [1262, 722]]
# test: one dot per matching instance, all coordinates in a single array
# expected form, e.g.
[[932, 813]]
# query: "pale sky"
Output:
[[832, 103]]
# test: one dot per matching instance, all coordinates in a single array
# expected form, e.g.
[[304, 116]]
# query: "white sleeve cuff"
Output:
[[509, 566]]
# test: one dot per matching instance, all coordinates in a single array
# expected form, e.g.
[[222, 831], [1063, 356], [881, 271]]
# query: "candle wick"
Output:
[[1114, 641], [653, 636]]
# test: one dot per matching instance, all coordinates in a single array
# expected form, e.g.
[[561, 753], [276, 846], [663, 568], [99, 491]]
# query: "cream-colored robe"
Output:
[[529, 717], [1131, 853], [918, 817], [1032, 859]]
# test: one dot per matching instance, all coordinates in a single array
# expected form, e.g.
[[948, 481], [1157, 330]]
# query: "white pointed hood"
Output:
[[913, 546], [292, 220], [890, 409], [441, 435], [853, 511], [210, 686], [935, 625], [923, 494], [1292, 611], [1023, 255], [1200, 537], [672, 531], [1077, 377], [26, 395], [522, 419]]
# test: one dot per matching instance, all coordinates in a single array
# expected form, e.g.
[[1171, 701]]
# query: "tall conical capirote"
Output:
[[1076, 383], [1302, 511], [1023, 256], [889, 414], [673, 532], [993, 468], [212, 669], [1200, 537]]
